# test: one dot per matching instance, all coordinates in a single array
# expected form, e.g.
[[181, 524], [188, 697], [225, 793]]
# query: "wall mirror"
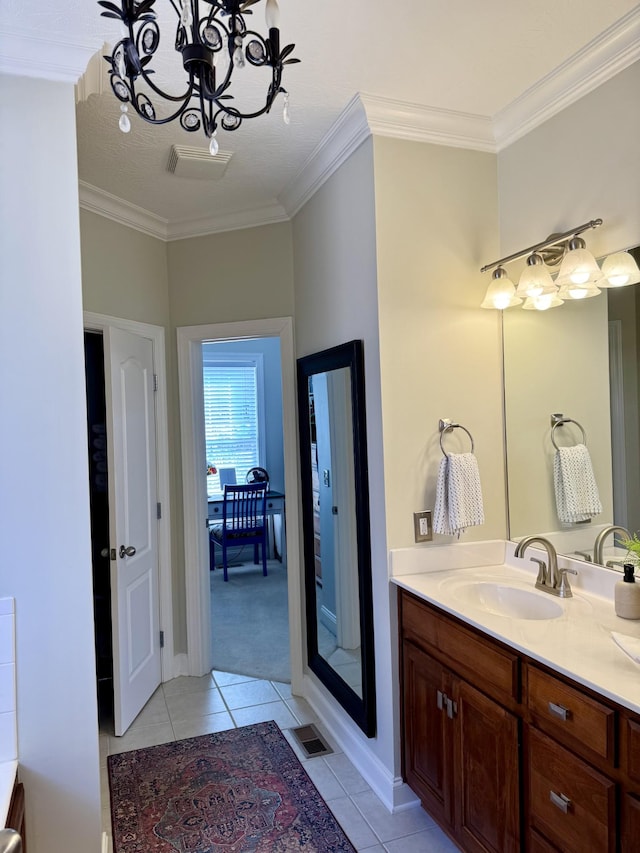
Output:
[[582, 360], [335, 515]]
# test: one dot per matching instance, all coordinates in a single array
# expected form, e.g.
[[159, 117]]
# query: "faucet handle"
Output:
[[585, 556], [564, 590], [542, 571]]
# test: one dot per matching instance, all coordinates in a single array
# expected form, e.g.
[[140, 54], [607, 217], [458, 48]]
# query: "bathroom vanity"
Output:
[[521, 717]]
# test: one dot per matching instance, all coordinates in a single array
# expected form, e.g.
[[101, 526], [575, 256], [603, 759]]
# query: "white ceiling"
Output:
[[477, 58]]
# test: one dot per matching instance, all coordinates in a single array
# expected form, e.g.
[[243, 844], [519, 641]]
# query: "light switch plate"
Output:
[[422, 527]]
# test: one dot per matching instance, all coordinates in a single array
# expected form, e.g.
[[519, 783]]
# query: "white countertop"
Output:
[[8, 770], [577, 643]]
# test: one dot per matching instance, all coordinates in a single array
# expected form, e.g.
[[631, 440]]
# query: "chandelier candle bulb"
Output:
[[272, 14]]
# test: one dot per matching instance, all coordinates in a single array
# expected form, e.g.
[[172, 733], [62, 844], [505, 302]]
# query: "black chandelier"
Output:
[[213, 44]]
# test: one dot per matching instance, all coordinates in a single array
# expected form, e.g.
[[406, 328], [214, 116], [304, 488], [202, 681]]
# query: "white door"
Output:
[[133, 522]]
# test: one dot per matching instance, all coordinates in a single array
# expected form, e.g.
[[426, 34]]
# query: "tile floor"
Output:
[[187, 707]]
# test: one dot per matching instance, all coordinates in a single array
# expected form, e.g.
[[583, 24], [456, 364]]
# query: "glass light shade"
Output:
[[501, 293], [542, 302], [578, 267], [619, 270], [570, 290], [535, 279]]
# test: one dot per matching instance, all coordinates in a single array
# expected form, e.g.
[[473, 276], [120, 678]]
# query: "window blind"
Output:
[[231, 419]]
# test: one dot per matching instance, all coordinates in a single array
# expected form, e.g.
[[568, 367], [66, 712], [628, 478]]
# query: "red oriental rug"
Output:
[[238, 791]]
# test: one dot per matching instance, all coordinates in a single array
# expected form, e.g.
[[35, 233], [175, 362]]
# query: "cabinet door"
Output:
[[630, 840], [427, 755], [487, 812]]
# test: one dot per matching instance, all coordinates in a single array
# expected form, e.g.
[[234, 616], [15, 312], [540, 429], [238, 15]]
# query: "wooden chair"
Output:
[[244, 521]]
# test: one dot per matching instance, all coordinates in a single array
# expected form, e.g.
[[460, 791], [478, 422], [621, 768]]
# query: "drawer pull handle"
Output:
[[440, 699], [560, 801], [559, 711], [452, 708]]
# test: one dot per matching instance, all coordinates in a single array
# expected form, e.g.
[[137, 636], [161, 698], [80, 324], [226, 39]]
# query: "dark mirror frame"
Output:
[[349, 355]]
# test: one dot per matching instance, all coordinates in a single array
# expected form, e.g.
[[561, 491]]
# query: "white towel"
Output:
[[458, 495], [629, 645], [577, 497]]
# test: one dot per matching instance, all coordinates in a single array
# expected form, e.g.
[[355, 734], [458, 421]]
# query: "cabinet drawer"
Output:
[[570, 803], [631, 748], [487, 666], [570, 715]]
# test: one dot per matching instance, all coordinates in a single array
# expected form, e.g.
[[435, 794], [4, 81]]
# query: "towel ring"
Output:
[[446, 425], [562, 421]]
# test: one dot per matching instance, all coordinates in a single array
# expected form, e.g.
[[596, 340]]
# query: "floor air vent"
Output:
[[311, 741]]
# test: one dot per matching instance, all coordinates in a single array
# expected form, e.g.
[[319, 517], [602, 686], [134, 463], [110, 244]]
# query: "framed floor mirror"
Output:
[[335, 515]]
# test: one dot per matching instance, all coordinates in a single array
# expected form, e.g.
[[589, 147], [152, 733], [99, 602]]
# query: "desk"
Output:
[[275, 506]]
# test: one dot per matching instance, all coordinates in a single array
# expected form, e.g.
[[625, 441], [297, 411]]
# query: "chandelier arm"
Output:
[[183, 105], [551, 241]]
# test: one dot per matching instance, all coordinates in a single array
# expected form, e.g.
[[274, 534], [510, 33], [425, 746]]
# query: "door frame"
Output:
[[196, 546], [99, 322]]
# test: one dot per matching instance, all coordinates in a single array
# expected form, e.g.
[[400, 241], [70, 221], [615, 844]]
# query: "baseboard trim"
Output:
[[180, 665], [339, 729]]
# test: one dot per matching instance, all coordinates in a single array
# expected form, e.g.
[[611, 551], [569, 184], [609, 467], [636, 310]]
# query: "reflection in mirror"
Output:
[[335, 511], [581, 360]]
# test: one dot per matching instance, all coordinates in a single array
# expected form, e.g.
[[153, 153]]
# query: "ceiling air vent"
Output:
[[197, 163]]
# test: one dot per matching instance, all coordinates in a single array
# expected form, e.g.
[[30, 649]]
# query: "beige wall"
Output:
[[334, 237], [46, 559], [437, 222], [124, 272], [580, 165], [237, 275]]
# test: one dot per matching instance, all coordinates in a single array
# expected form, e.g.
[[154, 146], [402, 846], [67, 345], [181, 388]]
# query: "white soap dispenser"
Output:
[[627, 595]]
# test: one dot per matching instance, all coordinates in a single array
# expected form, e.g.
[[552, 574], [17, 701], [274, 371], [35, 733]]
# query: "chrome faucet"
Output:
[[551, 579], [598, 548]]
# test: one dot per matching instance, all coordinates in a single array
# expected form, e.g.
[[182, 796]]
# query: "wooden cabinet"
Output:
[[460, 746], [15, 817], [507, 755]]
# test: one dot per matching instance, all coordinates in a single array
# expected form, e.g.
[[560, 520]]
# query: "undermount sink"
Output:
[[505, 600]]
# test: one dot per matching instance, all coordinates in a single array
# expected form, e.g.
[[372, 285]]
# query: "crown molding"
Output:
[[417, 123], [114, 208], [269, 214], [607, 55], [345, 135], [123, 212], [52, 58]]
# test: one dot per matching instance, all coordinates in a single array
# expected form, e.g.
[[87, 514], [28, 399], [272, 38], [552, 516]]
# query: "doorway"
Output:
[[126, 387], [242, 390], [197, 580], [99, 501]]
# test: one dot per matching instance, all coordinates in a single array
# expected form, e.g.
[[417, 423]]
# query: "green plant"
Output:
[[633, 549]]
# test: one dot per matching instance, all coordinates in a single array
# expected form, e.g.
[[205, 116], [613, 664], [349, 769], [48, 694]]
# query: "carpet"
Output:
[[250, 621], [238, 791]]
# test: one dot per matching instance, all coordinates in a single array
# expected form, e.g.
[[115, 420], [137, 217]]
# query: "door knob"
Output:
[[129, 551]]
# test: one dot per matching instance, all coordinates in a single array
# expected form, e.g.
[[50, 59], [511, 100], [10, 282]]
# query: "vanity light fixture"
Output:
[[579, 276]]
